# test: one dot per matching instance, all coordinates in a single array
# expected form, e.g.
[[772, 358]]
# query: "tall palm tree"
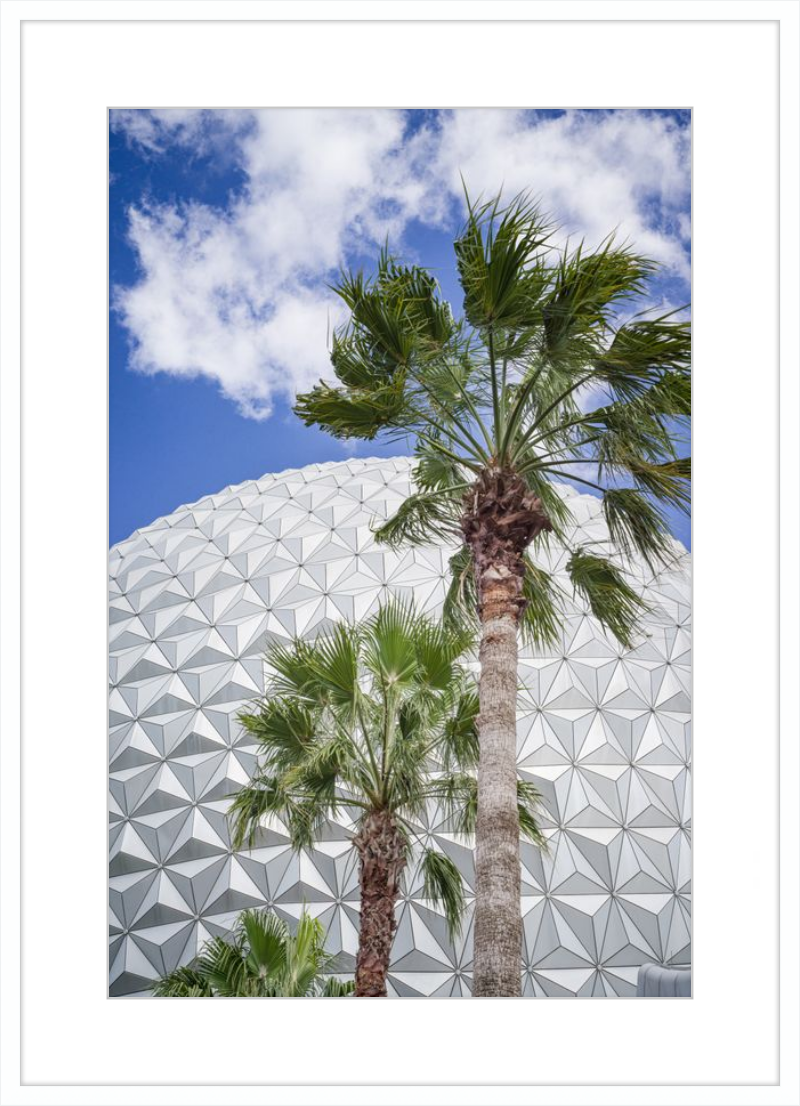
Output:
[[378, 719], [261, 959], [549, 373]]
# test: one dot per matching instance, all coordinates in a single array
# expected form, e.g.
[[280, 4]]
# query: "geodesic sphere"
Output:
[[603, 732]]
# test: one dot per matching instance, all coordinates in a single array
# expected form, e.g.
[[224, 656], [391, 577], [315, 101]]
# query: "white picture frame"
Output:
[[735, 65]]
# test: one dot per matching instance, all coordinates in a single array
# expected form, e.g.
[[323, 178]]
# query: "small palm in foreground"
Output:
[[378, 719], [261, 959], [491, 403]]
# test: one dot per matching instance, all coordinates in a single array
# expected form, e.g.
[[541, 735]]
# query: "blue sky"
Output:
[[226, 226]]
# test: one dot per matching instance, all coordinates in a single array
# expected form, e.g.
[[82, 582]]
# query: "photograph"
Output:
[[400, 590]]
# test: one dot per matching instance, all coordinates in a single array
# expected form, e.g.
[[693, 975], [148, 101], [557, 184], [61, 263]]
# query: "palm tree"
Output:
[[549, 373], [376, 719], [261, 959]]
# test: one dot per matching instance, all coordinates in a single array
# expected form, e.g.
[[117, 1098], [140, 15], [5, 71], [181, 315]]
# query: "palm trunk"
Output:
[[501, 518], [498, 920], [381, 850]]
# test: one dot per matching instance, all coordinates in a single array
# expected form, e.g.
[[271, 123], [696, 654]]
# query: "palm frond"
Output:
[[334, 664], [555, 505], [668, 482], [416, 297], [266, 938], [185, 982], [612, 601], [586, 289], [671, 395], [259, 958], [305, 818], [460, 610], [457, 794], [541, 621], [444, 886], [435, 471], [529, 803], [390, 650], [636, 525], [628, 433], [264, 795], [438, 649], [284, 728], [291, 673], [353, 365], [223, 964], [639, 353], [337, 988], [353, 413], [421, 517], [499, 254], [305, 958], [459, 745]]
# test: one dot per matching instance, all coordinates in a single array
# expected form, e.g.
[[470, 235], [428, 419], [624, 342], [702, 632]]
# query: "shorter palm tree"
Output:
[[260, 959], [377, 719]]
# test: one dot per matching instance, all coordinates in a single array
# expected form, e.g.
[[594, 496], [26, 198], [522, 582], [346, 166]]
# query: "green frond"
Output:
[[443, 885], [313, 780], [435, 471], [671, 395], [416, 296], [265, 936], [627, 434], [354, 413], [337, 988], [556, 506], [408, 767], [528, 806], [183, 982], [460, 610], [541, 616], [263, 796], [422, 517], [450, 387], [260, 958], [613, 602], [352, 364], [438, 649], [396, 318], [499, 254], [380, 324], [457, 794], [639, 353], [459, 744], [635, 524], [390, 650], [284, 729], [668, 482], [305, 818], [305, 958], [291, 673], [223, 965], [334, 664], [586, 289]]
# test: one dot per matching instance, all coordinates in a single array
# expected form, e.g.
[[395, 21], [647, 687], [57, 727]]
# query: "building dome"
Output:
[[603, 733]]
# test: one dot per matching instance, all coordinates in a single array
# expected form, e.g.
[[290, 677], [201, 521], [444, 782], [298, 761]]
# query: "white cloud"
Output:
[[238, 295], [594, 171]]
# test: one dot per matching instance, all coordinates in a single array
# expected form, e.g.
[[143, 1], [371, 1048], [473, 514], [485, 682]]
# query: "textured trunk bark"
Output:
[[498, 921], [500, 520], [381, 851]]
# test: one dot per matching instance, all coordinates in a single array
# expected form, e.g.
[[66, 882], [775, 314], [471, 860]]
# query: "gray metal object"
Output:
[[603, 732], [654, 981]]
